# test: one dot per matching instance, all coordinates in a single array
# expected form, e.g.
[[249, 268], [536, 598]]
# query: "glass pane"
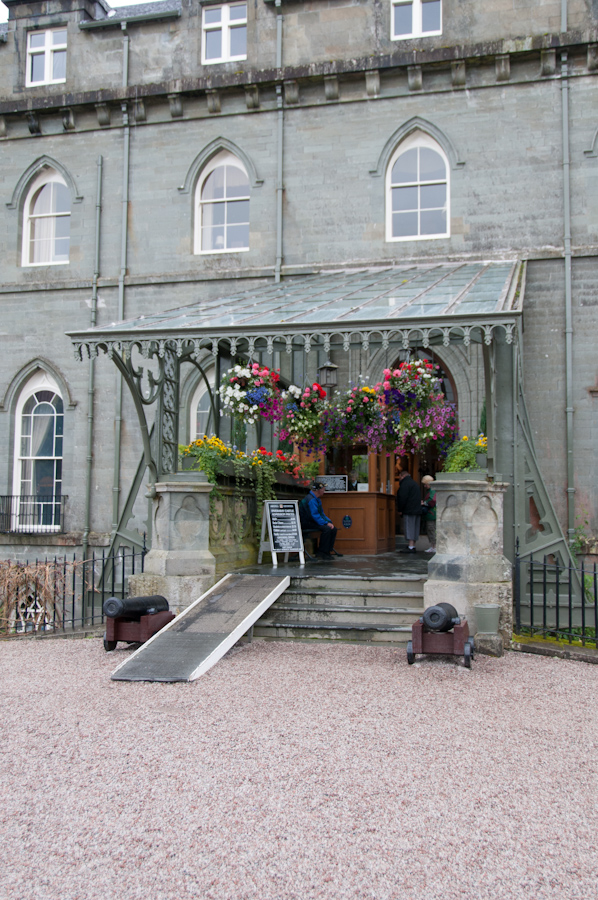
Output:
[[61, 250], [43, 477], [211, 16], [404, 224], [44, 396], [403, 19], [58, 406], [405, 168], [58, 471], [30, 403], [40, 251], [238, 12], [61, 199], [58, 447], [37, 67], [212, 238], [42, 440], [62, 226], [213, 186], [238, 41], [214, 44], [59, 64], [433, 221], [59, 37], [25, 446], [433, 195], [42, 201], [25, 476], [237, 183], [238, 212], [404, 198], [217, 211], [431, 165], [37, 40], [237, 237], [431, 15]]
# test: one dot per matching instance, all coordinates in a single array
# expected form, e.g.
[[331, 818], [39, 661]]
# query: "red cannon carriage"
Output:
[[441, 630]]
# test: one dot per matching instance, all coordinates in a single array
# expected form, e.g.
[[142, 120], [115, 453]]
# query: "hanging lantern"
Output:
[[328, 376]]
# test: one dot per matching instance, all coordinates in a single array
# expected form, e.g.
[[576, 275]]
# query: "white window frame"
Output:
[[45, 177], [417, 139], [47, 51], [224, 158], [200, 392], [417, 19], [40, 381], [226, 25]]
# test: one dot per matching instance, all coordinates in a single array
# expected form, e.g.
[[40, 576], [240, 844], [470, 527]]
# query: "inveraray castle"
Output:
[[190, 182]]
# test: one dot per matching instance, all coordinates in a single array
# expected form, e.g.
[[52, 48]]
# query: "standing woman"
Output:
[[430, 503]]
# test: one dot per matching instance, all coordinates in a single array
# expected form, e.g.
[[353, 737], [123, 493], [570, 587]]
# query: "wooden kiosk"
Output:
[[366, 519]]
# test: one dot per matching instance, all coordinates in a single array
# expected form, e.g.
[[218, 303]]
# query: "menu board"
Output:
[[284, 525], [334, 483]]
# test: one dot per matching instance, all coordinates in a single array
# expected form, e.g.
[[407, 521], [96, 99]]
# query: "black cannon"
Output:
[[441, 630], [134, 619]]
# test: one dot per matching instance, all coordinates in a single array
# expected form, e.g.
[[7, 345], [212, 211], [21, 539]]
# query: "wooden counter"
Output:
[[372, 515]]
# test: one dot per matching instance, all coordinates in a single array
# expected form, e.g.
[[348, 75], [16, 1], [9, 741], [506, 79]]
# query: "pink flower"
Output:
[[387, 385], [386, 373], [365, 399], [302, 405]]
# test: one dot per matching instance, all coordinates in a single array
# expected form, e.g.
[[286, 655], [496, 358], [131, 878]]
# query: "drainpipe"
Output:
[[279, 155], [568, 293], [121, 281], [91, 386]]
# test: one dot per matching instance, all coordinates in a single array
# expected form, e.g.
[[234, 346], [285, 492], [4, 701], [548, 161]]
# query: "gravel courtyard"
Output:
[[288, 771]]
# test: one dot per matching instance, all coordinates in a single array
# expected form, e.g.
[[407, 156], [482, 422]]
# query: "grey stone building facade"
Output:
[[157, 156]]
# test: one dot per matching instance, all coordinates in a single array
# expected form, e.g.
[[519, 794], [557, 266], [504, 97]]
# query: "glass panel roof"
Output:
[[371, 295]]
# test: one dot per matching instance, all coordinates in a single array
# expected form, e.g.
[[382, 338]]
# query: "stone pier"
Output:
[[469, 567], [180, 565]]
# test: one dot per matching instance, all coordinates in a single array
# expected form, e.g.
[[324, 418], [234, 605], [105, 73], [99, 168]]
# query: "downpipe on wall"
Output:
[[91, 384], [279, 146], [569, 410], [121, 281]]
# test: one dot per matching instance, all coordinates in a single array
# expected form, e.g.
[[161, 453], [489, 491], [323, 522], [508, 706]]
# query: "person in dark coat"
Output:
[[409, 503]]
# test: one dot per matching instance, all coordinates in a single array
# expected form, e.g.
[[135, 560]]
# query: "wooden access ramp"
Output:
[[193, 642]]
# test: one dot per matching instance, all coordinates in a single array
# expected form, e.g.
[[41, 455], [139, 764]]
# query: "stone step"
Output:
[[341, 615], [390, 635], [359, 584], [398, 599]]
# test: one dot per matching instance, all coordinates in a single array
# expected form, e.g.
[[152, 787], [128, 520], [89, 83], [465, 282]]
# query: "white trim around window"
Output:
[[222, 206], [223, 33], [415, 18], [46, 57], [418, 191], [46, 221]]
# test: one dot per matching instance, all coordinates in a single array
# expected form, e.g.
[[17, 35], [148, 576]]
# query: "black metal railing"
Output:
[[60, 595], [32, 513], [556, 600]]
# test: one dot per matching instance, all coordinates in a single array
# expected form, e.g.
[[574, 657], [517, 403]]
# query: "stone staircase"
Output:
[[343, 607]]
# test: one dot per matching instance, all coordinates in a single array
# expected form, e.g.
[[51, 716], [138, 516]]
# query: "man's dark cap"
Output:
[[317, 485]]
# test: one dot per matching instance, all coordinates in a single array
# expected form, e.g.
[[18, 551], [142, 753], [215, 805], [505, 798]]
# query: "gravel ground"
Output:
[[293, 771]]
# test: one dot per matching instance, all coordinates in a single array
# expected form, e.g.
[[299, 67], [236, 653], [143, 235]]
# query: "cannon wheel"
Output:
[[109, 645], [410, 653], [467, 655], [471, 644]]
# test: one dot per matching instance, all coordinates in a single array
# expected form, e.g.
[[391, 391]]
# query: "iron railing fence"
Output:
[[555, 600], [32, 513], [63, 594]]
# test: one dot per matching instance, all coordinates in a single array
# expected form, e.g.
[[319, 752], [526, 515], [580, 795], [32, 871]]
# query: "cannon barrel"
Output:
[[133, 607], [441, 617]]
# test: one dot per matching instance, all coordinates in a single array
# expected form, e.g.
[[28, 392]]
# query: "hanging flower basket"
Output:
[[252, 391], [304, 413]]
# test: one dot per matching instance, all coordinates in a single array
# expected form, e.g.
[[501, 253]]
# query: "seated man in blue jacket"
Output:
[[313, 518]]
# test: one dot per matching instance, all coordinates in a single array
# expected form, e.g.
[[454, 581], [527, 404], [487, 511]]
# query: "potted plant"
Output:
[[461, 461]]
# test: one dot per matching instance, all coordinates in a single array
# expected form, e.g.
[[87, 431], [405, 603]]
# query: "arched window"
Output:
[[47, 221], [417, 191], [202, 419], [222, 206], [38, 455]]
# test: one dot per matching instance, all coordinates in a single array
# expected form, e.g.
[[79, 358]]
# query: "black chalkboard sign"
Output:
[[281, 519], [334, 483]]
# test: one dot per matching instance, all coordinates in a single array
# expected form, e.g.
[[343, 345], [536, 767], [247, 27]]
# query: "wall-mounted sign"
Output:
[[334, 483], [347, 521]]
